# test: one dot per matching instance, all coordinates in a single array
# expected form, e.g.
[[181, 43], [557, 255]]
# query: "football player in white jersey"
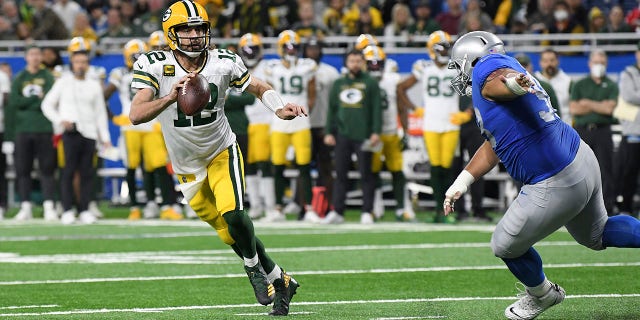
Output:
[[364, 40], [440, 104], [202, 147], [80, 44], [294, 78], [142, 142], [259, 176], [390, 137]]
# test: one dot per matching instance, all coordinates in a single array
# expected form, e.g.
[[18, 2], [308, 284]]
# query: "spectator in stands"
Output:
[[251, 17], [99, 20], [597, 22], [354, 117], [579, 13], [82, 28], [633, 18], [475, 19], [560, 81], [424, 24], [220, 24], [51, 59], [326, 75], [5, 88], [563, 23], [47, 25], [7, 31], [308, 25], [127, 12], [616, 23], [115, 27], [450, 20], [282, 15], [332, 17], [593, 99], [76, 104], [503, 12], [67, 10], [33, 134], [542, 18], [398, 28], [10, 12], [362, 18], [629, 151]]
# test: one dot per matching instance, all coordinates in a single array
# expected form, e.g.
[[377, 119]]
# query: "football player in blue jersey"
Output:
[[561, 187]]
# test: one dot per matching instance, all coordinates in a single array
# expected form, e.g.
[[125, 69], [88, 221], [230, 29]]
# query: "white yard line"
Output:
[[224, 256], [322, 272], [29, 307], [298, 304]]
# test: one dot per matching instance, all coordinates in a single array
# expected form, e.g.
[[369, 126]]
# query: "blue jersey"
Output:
[[529, 138]]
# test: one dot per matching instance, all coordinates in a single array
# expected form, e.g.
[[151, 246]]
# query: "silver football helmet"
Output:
[[465, 54]]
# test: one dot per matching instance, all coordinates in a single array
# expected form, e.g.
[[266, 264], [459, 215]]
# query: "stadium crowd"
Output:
[[587, 104]]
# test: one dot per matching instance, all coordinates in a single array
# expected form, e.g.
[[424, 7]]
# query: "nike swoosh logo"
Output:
[[139, 66]]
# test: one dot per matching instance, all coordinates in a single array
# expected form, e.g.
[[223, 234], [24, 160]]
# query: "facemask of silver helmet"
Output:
[[466, 52]]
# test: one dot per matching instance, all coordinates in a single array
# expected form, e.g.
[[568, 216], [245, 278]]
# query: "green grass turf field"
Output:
[[180, 270]]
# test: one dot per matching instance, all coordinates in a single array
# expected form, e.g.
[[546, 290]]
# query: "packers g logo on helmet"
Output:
[[186, 13], [288, 44], [375, 58], [364, 40], [250, 49], [79, 44], [438, 45], [133, 49], [157, 40]]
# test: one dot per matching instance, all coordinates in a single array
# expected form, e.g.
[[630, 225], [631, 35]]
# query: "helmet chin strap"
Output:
[[191, 54]]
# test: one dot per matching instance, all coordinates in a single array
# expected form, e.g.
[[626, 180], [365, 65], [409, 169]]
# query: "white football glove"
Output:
[[456, 190]]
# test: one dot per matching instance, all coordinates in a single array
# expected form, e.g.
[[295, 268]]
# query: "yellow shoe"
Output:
[[170, 214], [135, 214]]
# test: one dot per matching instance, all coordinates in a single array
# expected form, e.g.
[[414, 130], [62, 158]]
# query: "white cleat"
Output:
[[95, 211], [87, 217], [292, 208], [151, 210], [255, 212], [50, 213], [68, 217], [366, 218], [529, 307], [332, 218], [273, 216], [24, 214], [311, 216]]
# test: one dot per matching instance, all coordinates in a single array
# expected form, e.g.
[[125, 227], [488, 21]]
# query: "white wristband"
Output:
[[462, 183], [514, 87], [272, 100]]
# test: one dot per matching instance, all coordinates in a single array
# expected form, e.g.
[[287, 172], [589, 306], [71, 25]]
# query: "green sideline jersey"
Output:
[[586, 88], [23, 112], [355, 109]]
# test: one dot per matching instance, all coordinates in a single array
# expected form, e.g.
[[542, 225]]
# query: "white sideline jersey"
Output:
[[121, 78], [325, 76], [438, 97], [388, 85], [94, 72], [193, 141], [258, 113], [292, 85]]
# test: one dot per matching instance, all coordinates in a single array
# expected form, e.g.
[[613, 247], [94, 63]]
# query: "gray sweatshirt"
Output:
[[630, 92]]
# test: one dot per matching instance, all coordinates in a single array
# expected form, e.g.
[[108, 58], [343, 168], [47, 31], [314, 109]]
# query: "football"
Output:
[[194, 95]]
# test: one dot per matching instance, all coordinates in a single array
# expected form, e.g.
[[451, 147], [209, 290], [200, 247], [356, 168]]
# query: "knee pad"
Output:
[[505, 248]]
